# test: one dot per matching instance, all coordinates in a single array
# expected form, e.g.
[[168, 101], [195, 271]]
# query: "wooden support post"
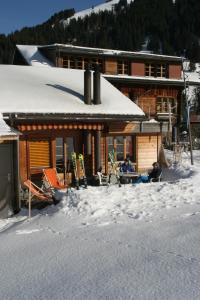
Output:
[[97, 150], [88, 146], [29, 202]]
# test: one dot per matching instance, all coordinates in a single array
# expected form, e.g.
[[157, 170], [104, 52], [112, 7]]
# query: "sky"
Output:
[[16, 14]]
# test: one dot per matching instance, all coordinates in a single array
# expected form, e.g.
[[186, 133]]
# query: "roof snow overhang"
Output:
[[111, 52], [144, 80]]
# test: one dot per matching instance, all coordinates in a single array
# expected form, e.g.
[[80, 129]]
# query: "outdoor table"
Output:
[[128, 175]]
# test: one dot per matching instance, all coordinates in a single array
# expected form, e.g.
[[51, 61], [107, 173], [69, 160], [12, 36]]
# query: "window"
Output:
[[156, 70], [161, 70], [96, 62], [59, 154], [81, 62], [129, 147], [72, 63], [65, 62], [162, 105], [149, 70], [119, 142], [64, 148], [122, 146], [123, 67]]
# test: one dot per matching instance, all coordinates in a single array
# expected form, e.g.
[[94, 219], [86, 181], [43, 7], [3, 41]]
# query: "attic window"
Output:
[[123, 67]]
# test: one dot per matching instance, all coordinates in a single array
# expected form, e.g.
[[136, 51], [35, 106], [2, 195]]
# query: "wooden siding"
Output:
[[147, 149], [111, 66], [175, 71], [124, 128], [23, 160], [137, 69], [148, 105]]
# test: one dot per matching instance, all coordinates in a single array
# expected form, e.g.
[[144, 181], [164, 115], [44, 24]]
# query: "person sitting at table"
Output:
[[153, 175], [126, 167]]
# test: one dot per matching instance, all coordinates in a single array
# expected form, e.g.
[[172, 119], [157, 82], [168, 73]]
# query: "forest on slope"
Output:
[[165, 27]]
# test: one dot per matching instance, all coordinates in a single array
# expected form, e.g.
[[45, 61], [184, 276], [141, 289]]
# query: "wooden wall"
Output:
[[110, 66], [175, 71], [147, 104], [147, 148], [137, 69]]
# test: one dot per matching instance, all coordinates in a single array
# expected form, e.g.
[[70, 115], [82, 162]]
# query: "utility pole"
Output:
[[188, 116]]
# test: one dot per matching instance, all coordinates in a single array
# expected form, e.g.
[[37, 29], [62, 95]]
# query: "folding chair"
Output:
[[38, 192], [158, 179], [52, 179], [103, 179]]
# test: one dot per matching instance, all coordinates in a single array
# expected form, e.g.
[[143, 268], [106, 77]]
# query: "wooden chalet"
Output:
[[58, 111], [153, 82]]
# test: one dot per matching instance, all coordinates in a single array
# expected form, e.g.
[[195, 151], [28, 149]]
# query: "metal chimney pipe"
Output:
[[96, 87], [87, 87]]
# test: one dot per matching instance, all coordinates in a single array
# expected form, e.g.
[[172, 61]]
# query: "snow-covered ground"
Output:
[[133, 242]]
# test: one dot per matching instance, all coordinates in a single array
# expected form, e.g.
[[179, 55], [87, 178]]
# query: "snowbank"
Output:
[[112, 204]]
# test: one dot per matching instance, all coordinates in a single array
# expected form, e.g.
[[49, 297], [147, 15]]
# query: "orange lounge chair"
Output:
[[37, 192], [52, 179]]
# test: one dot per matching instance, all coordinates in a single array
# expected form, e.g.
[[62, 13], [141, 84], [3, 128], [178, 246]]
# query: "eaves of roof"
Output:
[[142, 80]]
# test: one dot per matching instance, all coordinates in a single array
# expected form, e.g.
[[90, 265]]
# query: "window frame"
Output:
[[113, 146]]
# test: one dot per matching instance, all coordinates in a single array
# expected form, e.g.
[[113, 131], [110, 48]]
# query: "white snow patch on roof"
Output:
[[26, 89], [33, 56]]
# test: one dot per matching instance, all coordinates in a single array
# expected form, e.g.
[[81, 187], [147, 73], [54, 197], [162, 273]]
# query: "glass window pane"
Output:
[[59, 154], [120, 156], [119, 140]]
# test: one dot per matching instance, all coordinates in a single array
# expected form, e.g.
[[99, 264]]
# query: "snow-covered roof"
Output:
[[109, 52], [32, 56], [25, 89], [94, 9], [5, 130]]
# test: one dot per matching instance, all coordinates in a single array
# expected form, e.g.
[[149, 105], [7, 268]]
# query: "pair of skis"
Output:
[[75, 169], [114, 167]]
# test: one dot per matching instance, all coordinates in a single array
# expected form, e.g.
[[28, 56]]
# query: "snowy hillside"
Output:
[[95, 9]]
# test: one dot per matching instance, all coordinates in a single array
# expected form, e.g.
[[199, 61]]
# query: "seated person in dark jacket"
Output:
[[156, 172], [126, 167], [153, 175]]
